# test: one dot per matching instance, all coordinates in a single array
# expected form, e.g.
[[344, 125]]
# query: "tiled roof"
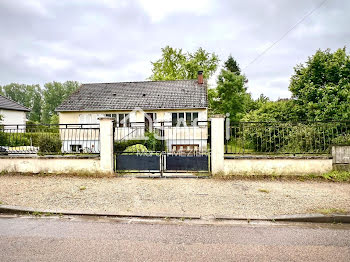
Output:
[[145, 95], [7, 103]]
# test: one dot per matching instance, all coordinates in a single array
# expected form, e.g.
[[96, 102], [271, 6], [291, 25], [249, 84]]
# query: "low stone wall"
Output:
[[276, 165], [49, 164]]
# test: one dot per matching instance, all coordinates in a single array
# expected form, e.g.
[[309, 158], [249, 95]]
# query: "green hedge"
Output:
[[289, 137], [50, 144], [24, 139], [152, 144]]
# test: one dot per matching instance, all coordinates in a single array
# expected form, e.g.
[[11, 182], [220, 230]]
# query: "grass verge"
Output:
[[82, 174], [332, 176]]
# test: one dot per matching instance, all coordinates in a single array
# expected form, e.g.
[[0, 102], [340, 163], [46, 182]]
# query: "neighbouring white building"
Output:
[[12, 112]]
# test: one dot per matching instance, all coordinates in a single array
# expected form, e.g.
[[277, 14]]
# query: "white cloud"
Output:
[[159, 9], [113, 40], [48, 63], [27, 7]]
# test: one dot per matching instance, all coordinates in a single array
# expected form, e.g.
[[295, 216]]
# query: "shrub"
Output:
[[121, 146], [50, 144], [14, 139], [308, 138], [154, 144], [289, 137], [151, 143], [136, 148], [342, 140]]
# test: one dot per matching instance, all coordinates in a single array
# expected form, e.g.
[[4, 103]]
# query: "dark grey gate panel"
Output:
[[137, 162], [187, 163]]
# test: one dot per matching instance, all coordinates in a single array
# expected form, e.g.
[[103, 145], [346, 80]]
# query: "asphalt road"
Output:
[[63, 239]]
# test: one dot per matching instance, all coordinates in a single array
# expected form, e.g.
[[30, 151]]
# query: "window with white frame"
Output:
[[184, 118], [85, 119], [88, 118], [122, 120]]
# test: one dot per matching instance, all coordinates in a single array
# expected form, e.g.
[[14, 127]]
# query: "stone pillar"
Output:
[[217, 143], [341, 157], [106, 144]]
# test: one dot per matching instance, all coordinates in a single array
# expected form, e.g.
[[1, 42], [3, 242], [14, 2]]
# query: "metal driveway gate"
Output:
[[175, 163], [162, 147]]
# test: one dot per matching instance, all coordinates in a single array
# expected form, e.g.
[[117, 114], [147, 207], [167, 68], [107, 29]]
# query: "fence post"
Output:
[[106, 144], [217, 143]]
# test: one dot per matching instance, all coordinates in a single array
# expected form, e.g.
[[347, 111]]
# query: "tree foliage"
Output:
[[54, 94], [233, 95], [230, 95], [321, 86], [271, 111], [232, 65], [42, 103], [27, 95], [175, 64]]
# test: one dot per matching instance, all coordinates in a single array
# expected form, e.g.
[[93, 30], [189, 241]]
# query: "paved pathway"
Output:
[[53, 239]]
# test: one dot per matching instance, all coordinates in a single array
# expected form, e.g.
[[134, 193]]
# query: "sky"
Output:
[[116, 40]]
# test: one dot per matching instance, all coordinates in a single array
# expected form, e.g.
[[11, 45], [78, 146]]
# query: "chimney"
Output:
[[200, 77]]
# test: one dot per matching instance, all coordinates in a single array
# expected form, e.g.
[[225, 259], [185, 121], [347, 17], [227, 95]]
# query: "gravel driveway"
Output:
[[173, 196]]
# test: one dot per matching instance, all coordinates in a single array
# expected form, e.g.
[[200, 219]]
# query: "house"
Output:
[[178, 108], [12, 112]]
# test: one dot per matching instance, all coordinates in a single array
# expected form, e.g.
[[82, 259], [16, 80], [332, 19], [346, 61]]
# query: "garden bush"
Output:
[[152, 143], [120, 146], [287, 137], [342, 140], [136, 148], [50, 144]]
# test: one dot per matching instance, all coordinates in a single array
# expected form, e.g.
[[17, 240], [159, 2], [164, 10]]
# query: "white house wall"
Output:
[[13, 117], [172, 135], [135, 116]]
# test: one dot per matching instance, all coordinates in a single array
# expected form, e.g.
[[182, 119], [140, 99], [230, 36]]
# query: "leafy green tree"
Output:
[[233, 95], [175, 64], [213, 101], [27, 95], [258, 103], [321, 86], [232, 65], [230, 95], [54, 94], [271, 111], [54, 119]]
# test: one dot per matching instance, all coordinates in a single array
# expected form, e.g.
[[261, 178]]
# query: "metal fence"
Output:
[[285, 137], [50, 139], [162, 137], [162, 146]]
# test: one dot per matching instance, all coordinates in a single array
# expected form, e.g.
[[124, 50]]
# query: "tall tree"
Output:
[[321, 86], [27, 95], [233, 95], [54, 94], [175, 64], [230, 95], [232, 65]]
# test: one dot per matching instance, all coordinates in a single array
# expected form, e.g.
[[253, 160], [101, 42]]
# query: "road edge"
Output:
[[312, 218]]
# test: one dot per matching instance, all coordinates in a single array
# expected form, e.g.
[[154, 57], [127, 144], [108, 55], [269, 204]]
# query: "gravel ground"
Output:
[[173, 196]]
